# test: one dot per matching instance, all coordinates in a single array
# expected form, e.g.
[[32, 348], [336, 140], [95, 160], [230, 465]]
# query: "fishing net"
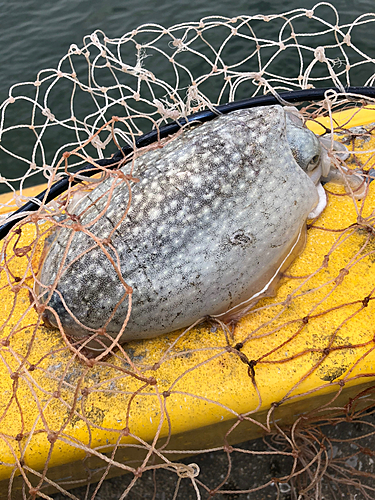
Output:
[[164, 413]]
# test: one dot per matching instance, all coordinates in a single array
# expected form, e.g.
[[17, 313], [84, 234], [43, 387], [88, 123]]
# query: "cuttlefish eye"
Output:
[[305, 147], [314, 163]]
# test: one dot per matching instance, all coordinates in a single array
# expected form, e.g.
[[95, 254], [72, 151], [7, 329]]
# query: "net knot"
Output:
[[95, 40], [138, 472], [178, 44], [106, 241], [40, 308], [47, 112], [288, 300], [343, 272], [187, 471], [347, 39], [76, 226], [319, 54], [192, 92], [165, 111], [309, 13], [366, 301], [257, 77], [52, 437], [97, 143]]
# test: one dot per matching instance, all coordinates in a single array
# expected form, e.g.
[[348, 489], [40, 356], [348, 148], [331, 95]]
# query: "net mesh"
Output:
[[290, 371]]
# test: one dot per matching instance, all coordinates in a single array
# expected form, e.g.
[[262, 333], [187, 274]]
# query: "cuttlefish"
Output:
[[216, 217]]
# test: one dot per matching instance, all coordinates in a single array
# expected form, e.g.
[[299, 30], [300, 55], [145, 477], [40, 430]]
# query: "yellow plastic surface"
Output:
[[198, 371], [345, 119]]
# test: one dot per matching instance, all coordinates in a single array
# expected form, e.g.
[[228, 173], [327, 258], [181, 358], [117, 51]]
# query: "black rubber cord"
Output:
[[292, 97]]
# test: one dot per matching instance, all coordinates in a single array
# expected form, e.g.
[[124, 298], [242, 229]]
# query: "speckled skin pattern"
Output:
[[214, 214]]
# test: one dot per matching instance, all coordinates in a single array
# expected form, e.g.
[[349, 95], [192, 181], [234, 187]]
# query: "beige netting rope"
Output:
[[59, 423]]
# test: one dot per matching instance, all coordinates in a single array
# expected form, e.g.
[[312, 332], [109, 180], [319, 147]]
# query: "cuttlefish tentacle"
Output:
[[333, 170]]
